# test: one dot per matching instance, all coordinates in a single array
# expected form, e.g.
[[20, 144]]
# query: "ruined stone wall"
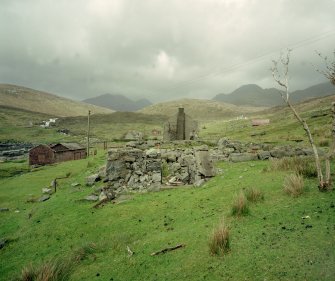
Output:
[[236, 151], [136, 169]]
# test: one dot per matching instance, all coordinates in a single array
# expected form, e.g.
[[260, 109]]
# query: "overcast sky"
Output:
[[160, 49]]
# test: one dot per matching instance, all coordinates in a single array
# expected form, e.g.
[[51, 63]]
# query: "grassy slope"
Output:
[[283, 126], [199, 109], [14, 125], [272, 243], [37, 101]]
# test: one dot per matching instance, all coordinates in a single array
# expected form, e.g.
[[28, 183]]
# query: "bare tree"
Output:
[[280, 73], [329, 73]]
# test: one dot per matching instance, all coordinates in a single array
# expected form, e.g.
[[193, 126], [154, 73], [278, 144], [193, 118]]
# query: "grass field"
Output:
[[273, 242]]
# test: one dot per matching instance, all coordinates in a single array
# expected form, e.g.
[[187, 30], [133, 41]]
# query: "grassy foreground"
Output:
[[273, 242]]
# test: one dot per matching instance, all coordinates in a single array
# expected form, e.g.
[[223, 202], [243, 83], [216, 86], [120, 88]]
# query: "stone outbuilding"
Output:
[[180, 127], [48, 154]]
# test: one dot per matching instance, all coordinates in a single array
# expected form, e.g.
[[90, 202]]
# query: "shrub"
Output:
[[254, 194], [294, 185], [219, 242], [240, 205]]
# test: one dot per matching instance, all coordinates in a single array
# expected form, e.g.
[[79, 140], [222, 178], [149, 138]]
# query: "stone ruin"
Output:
[[180, 127], [133, 169]]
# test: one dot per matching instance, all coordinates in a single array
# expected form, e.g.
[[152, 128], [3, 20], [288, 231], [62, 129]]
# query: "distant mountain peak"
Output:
[[118, 102], [254, 95]]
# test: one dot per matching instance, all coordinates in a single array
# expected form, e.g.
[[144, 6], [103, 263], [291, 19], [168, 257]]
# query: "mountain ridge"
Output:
[[254, 95], [118, 102]]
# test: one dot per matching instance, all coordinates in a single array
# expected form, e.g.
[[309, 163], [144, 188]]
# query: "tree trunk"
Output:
[[322, 184], [333, 128]]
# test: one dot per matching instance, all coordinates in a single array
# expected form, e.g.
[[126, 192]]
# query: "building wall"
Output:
[[70, 155], [41, 155]]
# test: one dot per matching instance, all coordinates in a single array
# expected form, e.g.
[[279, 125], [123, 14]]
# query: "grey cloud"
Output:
[[159, 49]]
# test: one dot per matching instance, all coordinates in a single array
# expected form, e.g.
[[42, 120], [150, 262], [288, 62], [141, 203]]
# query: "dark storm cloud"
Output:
[[160, 49]]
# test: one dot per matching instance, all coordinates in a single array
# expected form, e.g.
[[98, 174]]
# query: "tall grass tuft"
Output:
[[253, 194], [58, 268], [300, 165], [240, 205], [219, 241], [294, 185], [49, 271]]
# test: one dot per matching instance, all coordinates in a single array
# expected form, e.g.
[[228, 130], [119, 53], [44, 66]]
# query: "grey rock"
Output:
[[47, 190], [92, 179], [243, 157], [154, 165], [43, 198], [75, 184], [204, 164], [152, 153], [102, 196], [279, 153], [199, 183], [175, 167], [157, 177], [263, 155], [92, 197]]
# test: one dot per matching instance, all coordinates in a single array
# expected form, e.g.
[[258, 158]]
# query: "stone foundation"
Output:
[[136, 169]]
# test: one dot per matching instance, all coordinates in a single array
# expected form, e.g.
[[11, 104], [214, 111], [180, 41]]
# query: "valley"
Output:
[[114, 239]]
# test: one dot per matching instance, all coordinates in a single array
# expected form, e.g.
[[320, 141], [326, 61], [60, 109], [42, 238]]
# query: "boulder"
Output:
[[92, 179], [278, 153], [204, 163], [263, 155], [242, 157]]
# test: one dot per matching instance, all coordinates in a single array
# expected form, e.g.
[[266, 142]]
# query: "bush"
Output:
[[294, 185], [240, 206], [254, 194], [219, 242]]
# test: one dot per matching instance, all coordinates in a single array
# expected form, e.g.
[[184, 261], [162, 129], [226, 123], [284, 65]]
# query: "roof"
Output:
[[69, 145]]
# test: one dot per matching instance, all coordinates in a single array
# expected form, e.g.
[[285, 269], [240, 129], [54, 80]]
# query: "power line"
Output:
[[293, 46]]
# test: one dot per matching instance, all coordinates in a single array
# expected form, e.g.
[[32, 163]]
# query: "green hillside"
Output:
[[41, 102], [200, 109], [282, 238]]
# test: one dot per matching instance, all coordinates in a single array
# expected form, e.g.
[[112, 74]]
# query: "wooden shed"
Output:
[[54, 153]]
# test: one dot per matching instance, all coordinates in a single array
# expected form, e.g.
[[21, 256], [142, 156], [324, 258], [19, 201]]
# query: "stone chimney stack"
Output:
[[181, 124]]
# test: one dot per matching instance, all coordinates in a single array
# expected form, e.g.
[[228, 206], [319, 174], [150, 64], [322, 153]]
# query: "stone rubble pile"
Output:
[[236, 151], [136, 169]]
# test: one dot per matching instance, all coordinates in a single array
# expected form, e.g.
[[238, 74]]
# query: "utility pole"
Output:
[[88, 133]]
